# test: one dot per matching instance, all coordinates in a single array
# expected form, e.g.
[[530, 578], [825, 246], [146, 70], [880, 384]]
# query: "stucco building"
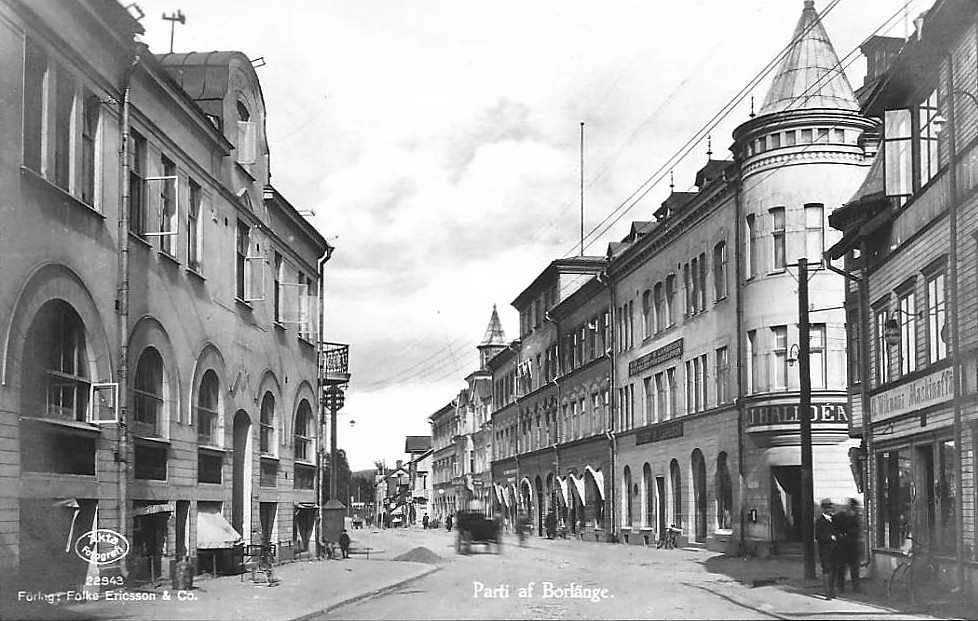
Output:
[[160, 301]]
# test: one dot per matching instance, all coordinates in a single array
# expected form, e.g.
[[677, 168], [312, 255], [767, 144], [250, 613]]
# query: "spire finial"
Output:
[[709, 147], [810, 4], [672, 183], [751, 106]]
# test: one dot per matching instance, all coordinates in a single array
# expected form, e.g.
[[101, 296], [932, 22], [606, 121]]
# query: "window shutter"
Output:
[[255, 278], [102, 403]]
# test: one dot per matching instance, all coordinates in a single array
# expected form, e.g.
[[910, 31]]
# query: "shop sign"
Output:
[[655, 358], [101, 546], [765, 416], [916, 395], [666, 431]]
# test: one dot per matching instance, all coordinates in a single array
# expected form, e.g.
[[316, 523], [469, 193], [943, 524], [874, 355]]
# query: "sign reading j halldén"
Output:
[[765, 416], [929, 390]]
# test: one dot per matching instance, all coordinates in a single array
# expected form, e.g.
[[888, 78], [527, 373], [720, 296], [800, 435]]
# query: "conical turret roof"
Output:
[[810, 76], [494, 332]]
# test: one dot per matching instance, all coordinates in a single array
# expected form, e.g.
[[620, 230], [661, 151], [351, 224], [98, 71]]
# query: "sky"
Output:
[[439, 143]]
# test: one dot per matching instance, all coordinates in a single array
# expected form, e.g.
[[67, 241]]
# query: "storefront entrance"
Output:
[[786, 504]]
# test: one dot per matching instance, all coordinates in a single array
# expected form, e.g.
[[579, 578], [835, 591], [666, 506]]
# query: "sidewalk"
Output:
[[305, 588], [784, 575]]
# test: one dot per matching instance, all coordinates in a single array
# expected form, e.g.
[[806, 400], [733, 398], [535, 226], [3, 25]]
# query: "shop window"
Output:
[[677, 494], [724, 487], [946, 489], [894, 500], [46, 448], [626, 493]]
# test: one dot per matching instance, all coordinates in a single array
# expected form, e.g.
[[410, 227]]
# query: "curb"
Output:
[[366, 595]]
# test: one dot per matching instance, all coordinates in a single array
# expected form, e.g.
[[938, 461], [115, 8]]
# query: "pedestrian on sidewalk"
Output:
[[345, 544], [826, 534], [448, 522], [849, 545], [551, 524], [424, 521]]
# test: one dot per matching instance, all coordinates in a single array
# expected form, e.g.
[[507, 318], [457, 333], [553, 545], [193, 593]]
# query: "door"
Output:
[[786, 503], [241, 476], [660, 488]]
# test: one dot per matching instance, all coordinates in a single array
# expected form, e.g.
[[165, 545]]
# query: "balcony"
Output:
[[335, 365]]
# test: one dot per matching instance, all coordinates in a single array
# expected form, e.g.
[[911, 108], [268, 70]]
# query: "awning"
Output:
[[305, 506], [508, 496], [579, 484], [499, 492], [214, 532], [562, 481], [151, 509], [599, 482]]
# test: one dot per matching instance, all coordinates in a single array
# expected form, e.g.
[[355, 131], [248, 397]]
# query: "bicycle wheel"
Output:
[[898, 587]]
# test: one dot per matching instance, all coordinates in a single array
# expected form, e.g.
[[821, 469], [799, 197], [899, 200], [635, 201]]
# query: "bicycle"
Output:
[[915, 573], [669, 538]]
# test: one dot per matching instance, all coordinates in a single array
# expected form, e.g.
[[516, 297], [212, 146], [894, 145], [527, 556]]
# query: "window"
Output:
[[631, 324], [661, 395], [936, 318], [817, 368], [789, 138], [724, 487], [660, 307], [719, 271], [806, 136], [304, 433], [897, 148], [895, 497], [647, 321], [701, 301], [168, 206], [194, 229], [670, 300], [775, 140], [35, 78], [89, 142], [688, 287], [137, 185], [750, 247], [673, 392], [207, 410], [777, 237], [64, 103], [927, 131], [148, 393], [882, 359], [722, 375], [267, 425], [906, 304], [753, 377], [840, 135], [780, 356], [247, 136], [242, 243], [648, 401], [690, 398], [57, 381], [814, 233]]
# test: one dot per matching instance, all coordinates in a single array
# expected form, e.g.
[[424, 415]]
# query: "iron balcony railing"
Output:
[[335, 367]]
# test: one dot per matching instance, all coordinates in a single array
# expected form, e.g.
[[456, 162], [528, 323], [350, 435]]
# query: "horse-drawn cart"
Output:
[[474, 528]]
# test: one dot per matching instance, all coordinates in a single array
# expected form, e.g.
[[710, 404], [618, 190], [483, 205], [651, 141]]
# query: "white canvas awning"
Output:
[[579, 484], [152, 509], [599, 482], [214, 532]]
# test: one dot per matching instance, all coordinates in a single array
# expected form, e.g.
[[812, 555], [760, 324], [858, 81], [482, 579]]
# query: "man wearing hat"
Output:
[[826, 534]]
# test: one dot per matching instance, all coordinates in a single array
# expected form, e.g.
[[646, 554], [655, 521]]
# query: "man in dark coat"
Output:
[[849, 546], [424, 521], [826, 534], [551, 524], [345, 544]]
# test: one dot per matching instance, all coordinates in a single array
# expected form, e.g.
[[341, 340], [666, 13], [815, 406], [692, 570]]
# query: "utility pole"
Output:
[[805, 420]]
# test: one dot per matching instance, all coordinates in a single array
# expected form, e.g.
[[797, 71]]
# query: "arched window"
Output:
[[56, 369], [670, 301], [659, 302], [148, 393], [627, 495], [304, 433], [724, 494], [677, 493], [649, 495], [247, 135], [207, 409], [267, 425]]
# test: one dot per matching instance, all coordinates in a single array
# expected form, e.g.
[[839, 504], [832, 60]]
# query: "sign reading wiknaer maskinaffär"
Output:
[[929, 390]]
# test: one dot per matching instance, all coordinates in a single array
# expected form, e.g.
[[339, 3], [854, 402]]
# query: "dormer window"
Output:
[[910, 138], [247, 136]]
